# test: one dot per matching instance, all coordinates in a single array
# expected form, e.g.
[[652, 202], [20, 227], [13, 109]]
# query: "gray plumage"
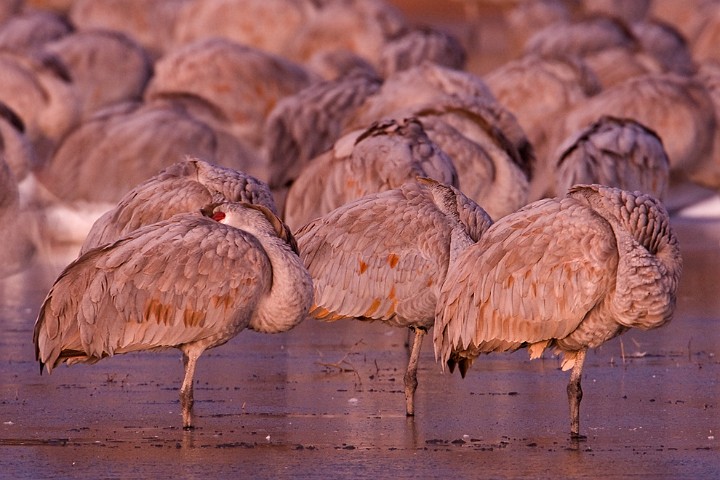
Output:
[[379, 158], [707, 171], [426, 84], [488, 146], [18, 226], [615, 152], [493, 157], [131, 142], [583, 37], [25, 32], [606, 43], [420, 44], [535, 88], [183, 187], [665, 42], [566, 273], [190, 282], [38, 89], [151, 22], [358, 26], [678, 108], [106, 67], [306, 124], [270, 25], [384, 257], [241, 82]]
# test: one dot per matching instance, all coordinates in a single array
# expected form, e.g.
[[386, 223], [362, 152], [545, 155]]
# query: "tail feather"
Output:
[[463, 364]]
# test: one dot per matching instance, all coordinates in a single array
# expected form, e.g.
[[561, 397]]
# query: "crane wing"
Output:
[[380, 257], [183, 187], [532, 277], [177, 281], [153, 201]]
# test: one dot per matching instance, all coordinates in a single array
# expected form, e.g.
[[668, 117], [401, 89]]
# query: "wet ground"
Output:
[[325, 400]]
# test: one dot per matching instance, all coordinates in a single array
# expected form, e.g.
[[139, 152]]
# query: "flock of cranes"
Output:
[[253, 163]]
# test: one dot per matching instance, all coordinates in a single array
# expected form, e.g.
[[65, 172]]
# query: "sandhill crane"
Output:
[[494, 160], [335, 64], [241, 82], [535, 88], [20, 222], [106, 66], [666, 43], [359, 26], [151, 22], [270, 25], [525, 19], [565, 273], [190, 282], [582, 37], [379, 158], [606, 43], [304, 125], [458, 109], [39, 90], [617, 152], [183, 187], [676, 107], [420, 44], [385, 256], [15, 146], [707, 172], [29, 31], [422, 85], [127, 149], [132, 141]]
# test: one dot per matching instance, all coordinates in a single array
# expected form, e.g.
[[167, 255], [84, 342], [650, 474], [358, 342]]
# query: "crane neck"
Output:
[[290, 296]]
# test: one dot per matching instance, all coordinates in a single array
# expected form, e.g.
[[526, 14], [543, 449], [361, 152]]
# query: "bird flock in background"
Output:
[[251, 163]]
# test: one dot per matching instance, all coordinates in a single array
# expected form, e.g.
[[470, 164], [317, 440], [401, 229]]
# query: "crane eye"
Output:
[[218, 216]]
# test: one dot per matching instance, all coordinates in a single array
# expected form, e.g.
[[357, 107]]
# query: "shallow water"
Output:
[[327, 399]]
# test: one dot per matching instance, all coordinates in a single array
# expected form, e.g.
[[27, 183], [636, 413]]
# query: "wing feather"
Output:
[[182, 187], [380, 257], [511, 288], [145, 291]]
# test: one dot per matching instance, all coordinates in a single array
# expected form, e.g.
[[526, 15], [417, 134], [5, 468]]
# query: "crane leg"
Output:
[[575, 393], [186, 391], [411, 373]]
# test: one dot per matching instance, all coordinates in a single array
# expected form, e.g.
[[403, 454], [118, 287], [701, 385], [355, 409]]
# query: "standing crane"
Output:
[[565, 273], [384, 257], [190, 282]]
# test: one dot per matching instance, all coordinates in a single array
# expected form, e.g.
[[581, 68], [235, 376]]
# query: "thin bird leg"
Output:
[[575, 393], [411, 373], [186, 391]]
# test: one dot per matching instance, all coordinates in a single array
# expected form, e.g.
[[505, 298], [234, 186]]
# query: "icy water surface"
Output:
[[326, 400]]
